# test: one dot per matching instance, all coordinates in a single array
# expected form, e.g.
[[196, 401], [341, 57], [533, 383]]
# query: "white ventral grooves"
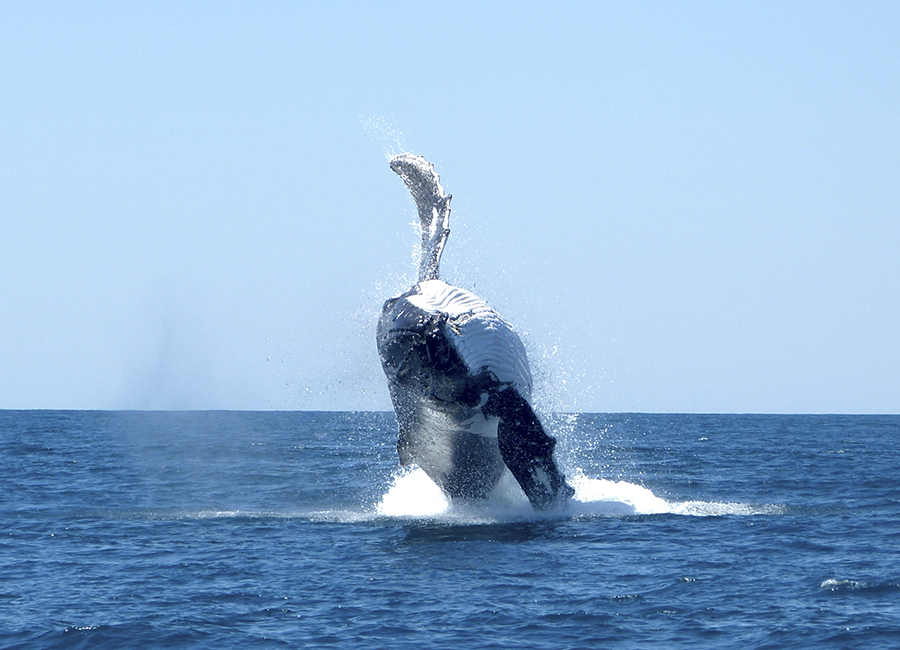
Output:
[[484, 340]]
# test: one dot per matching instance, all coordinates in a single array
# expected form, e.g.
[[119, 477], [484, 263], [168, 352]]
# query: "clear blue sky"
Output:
[[682, 206]]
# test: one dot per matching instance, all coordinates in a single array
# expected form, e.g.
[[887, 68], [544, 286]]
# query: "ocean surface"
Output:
[[298, 529]]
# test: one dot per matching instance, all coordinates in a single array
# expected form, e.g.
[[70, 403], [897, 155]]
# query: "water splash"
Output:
[[388, 136], [604, 497], [601, 497], [412, 494]]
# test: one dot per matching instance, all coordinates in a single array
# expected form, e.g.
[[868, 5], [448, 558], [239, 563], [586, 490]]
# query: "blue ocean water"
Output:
[[277, 529]]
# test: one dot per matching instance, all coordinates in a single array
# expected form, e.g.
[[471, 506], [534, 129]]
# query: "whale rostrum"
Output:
[[458, 374]]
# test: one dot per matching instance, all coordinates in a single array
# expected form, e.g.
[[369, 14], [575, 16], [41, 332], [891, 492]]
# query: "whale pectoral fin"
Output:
[[527, 450], [433, 206]]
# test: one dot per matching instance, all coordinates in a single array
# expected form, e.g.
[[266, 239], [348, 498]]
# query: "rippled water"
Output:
[[241, 529]]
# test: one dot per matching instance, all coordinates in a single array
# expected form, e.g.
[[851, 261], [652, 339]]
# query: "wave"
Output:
[[847, 585]]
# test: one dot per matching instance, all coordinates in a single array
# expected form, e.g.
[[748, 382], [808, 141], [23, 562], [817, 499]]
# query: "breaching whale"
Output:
[[458, 374]]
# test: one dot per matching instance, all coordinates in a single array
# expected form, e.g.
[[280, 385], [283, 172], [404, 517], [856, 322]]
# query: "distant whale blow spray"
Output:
[[458, 374]]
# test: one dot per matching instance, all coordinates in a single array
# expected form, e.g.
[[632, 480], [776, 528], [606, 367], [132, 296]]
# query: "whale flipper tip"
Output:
[[423, 182], [433, 206]]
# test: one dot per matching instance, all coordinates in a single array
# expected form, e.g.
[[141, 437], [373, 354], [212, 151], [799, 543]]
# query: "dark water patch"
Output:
[[501, 533]]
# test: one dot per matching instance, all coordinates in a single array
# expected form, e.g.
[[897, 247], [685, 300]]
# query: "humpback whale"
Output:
[[458, 374]]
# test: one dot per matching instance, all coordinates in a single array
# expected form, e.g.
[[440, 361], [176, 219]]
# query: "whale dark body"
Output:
[[458, 374]]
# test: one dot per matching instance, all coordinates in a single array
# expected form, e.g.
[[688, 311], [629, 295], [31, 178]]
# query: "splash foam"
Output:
[[604, 497], [413, 494]]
